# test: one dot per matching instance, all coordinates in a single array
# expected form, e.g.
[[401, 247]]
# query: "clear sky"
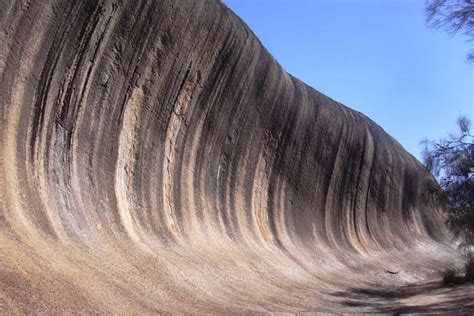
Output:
[[375, 56]]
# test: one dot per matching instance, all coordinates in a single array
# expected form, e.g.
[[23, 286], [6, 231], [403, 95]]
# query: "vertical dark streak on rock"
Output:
[[45, 80], [155, 158], [355, 214]]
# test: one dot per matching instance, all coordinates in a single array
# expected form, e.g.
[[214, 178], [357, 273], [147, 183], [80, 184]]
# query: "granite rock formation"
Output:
[[154, 157]]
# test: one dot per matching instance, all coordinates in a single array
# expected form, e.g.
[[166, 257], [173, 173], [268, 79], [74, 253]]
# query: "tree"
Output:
[[451, 160], [454, 16]]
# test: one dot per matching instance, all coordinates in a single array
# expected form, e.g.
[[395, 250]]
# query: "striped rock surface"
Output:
[[154, 157]]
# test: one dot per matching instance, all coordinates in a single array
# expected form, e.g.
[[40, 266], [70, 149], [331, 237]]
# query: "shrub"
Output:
[[451, 278], [469, 271], [451, 160]]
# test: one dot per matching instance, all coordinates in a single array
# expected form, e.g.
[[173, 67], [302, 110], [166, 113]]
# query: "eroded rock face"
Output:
[[154, 157]]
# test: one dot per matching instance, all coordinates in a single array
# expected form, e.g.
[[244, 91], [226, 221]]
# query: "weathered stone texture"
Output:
[[154, 157]]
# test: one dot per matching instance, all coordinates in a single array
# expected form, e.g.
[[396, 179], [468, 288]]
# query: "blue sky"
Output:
[[375, 56]]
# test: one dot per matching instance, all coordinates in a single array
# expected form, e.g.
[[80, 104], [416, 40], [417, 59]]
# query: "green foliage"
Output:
[[451, 160], [454, 16]]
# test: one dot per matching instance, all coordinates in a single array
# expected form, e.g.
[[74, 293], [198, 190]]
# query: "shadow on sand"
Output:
[[427, 297]]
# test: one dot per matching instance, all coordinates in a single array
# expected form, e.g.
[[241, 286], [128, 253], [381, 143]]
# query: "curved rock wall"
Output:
[[154, 157]]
